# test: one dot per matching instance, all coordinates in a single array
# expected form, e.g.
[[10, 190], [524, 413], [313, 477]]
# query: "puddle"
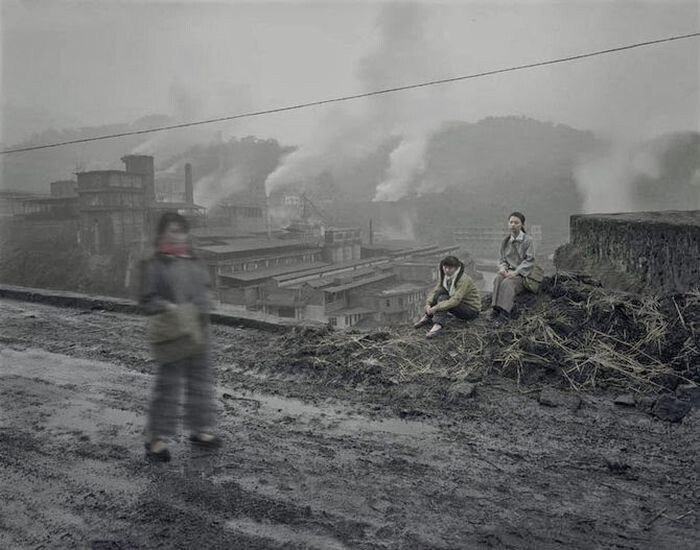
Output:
[[84, 416], [340, 420], [284, 535]]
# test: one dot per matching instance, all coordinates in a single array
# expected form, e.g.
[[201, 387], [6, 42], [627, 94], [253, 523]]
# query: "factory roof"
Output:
[[174, 206], [343, 267], [351, 311], [249, 245], [359, 283], [261, 274]]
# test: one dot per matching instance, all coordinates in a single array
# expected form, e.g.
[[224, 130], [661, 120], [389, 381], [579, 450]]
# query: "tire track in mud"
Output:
[[77, 476]]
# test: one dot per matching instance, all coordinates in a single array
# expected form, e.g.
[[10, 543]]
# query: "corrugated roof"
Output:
[[336, 267], [271, 273], [248, 245], [442, 250], [403, 288], [351, 311], [174, 206], [359, 283], [219, 232]]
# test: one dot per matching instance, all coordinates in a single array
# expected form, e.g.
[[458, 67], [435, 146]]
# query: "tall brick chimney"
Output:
[[189, 189]]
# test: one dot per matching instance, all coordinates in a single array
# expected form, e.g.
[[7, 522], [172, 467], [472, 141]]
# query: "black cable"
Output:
[[358, 96]]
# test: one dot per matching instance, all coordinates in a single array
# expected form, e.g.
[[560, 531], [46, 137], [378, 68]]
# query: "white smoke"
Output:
[[213, 188], [606, 180], [407, 162], [401, 54], [343, 137], [404, 49], [187, 103], [402, 231]]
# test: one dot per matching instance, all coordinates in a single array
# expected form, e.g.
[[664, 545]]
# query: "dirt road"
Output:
[[308, 464]]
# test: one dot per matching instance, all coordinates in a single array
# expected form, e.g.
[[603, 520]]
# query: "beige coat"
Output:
[[463, 290]]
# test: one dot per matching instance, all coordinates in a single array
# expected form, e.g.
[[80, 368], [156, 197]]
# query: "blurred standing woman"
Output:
[[174, 295], [517, 260]]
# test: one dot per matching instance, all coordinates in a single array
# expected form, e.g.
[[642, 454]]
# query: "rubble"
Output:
[[553, 398], [669, 408], [690, 393], [575, 334], [625, 400]]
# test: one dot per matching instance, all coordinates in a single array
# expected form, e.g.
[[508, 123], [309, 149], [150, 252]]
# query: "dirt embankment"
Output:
[[363, 440]]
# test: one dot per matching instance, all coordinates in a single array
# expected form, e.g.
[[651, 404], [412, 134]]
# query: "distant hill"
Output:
[[33, 171], [209, 154], [498, 165], [475, 173]]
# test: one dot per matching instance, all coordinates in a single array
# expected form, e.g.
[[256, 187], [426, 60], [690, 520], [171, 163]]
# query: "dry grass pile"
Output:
[[594, 337], [574, 332]]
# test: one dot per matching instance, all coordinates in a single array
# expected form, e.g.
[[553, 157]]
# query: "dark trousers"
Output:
[[461, 310], [200, 409]]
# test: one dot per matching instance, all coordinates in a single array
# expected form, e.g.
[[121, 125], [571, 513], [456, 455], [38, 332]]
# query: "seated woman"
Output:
[[517, 258], [455, 293]]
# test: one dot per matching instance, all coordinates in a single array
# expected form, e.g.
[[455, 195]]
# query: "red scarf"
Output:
[[173, 249]]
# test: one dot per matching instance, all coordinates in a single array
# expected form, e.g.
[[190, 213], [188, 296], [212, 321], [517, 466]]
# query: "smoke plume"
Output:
[[659, 173], [401, 54]]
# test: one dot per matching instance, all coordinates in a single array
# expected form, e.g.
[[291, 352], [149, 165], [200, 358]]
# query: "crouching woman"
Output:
[[174, 295], [517, 261], [455, 294]]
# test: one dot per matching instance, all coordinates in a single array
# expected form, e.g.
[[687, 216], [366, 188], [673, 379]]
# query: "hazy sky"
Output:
[[67, 64]]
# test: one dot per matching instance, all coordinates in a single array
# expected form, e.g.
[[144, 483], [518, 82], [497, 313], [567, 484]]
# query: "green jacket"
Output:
[[465, 291]]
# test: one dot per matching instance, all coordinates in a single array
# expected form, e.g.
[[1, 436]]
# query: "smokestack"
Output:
[[371, 232], [267, 217], [189, 190]]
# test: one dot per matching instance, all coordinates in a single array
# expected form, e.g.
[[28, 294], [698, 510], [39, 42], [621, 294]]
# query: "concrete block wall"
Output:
[[660, 249]]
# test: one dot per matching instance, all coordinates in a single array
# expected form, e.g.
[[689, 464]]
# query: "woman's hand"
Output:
[[511, 274]]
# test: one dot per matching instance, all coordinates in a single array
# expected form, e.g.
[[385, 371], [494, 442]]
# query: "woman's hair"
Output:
[[450, 261], [520, 216], [168, 218]]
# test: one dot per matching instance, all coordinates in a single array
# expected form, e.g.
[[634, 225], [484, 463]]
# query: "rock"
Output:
[[461, 391], [671, 409], [616, 464], [553, 398], [690, 393], [646, 404], [625, 400], [410, 392]]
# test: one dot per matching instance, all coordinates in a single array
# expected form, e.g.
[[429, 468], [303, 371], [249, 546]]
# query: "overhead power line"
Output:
[[359, 96]]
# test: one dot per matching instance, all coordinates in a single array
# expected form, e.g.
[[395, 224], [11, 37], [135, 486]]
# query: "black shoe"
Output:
[[498, 317], [206, 440], [157, 450], [423, 321]]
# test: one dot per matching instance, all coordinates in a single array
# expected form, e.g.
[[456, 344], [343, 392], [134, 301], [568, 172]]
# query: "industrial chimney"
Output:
[[189, 190]]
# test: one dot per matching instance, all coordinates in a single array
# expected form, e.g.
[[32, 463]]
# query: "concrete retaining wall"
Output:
[[660, 250], [107, 303]]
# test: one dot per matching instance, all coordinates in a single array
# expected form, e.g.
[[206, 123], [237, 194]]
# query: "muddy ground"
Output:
[[313, 463]]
